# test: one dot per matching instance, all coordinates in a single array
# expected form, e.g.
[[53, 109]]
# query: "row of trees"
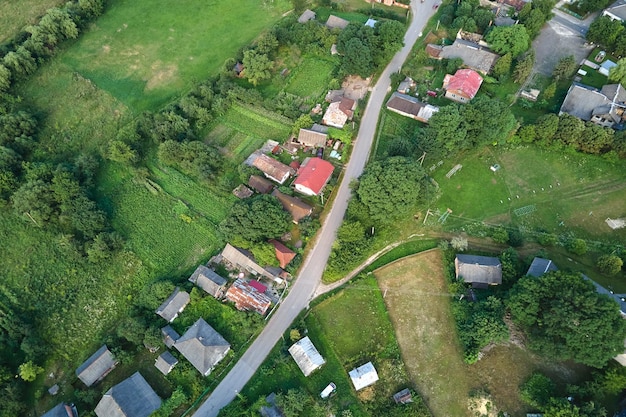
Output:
[[608, 33], [567, 131]]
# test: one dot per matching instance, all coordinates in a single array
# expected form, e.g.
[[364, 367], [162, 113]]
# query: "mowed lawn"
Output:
[[147, 53], [419, 307], [562, 191], [14, 15]]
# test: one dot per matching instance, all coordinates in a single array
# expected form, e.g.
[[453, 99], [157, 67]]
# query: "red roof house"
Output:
[[463, 85], [313, 176], [247, 297], [283, 253]]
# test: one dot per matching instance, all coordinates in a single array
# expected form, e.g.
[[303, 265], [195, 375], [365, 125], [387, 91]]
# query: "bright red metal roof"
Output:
[[315, 174]]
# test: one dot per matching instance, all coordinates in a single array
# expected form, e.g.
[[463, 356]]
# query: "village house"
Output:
[[248, 298], [363, 376], [541, 266], [313, 175], [209, 281], [335, 22], [463, 85], [62, 410], [133, 397], [604, 108], [260, 184], [174, 305], [480, 271], [306, 356], [474, 55], [406, 86], [294, 206], [306, 16], [165, 362], [272, 168], [312, 138], [616, 11], [170, 336], [284, 255], [98, 366], [339, 112], [243, 261], [408, 106], [202, 346]]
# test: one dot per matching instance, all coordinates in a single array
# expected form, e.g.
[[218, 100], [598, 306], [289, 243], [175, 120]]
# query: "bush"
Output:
[[537, 390], [610, 264], [577, 246]]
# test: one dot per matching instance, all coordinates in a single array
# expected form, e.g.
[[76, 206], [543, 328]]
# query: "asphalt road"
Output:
[[311, 273]]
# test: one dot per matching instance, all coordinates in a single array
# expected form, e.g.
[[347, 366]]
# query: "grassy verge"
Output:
[[405, 249]]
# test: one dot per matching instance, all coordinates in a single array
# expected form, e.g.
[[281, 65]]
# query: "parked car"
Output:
[[330, 388]]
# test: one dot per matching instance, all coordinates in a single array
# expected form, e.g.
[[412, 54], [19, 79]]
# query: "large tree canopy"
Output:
[[390, 187], [566, 318], [509, 39], [256, 219]]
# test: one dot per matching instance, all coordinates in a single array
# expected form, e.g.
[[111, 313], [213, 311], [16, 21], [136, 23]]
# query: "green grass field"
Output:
[[170, 235], [14, 15], [393, 125], [146, 54], [310, 78], [243, 129]]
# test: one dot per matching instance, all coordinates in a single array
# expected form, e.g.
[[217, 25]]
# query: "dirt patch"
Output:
[[106, 49], [482, 407], [356, 87], [161, 75]]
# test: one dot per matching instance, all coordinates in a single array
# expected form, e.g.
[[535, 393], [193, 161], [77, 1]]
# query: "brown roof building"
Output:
[[272, 169], [408, 106], [260, 184], [336, 22], [480, 271], [312, 138], [283, 253], [296, 207], [247, 298], [339, 112]]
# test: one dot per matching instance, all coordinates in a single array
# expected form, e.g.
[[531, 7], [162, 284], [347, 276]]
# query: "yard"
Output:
[[311, 77], [419, 308]]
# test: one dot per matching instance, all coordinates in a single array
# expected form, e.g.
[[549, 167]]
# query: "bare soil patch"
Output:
[[161, 75], [356, 87]]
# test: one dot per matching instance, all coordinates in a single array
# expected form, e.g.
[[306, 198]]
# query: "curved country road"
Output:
[[310, 275]]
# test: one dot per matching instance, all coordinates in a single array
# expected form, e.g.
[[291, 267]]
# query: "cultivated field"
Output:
[[146, 54], [243, 129], [14, 15], [310, 78], [419, 308]]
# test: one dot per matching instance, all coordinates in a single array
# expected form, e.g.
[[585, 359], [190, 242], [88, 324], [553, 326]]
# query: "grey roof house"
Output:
[[62, 410], [165, 362], [96, 367], [474, 56], [616, 11], [306, 16], [173, 305], [605, 107], [306, 356], [480, 271], [169, 336], [239, 259], [209, 281], [203, 346], [133, 397], [541, 266]]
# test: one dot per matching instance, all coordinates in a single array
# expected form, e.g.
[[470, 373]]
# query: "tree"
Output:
[[565, 67], [257, 66], [549, 91], [547, 126], [357, 58], [577, 246], [29, 371], [255, 219], [508, 39], [524, 67], [610, 264], [390, 188], [267, 43], [503, 66], [537, 390], [121, 152], [292, 403], [303, 122], [5, 78], [618, 72], [604, 31], [264, 254], [450, 130], [565, 318]]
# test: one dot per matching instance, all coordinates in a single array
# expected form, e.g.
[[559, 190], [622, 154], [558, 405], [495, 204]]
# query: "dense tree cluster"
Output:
[[608, 33], [466, 15], [565, 318], [256, 219], [194, 158], [567, 131]]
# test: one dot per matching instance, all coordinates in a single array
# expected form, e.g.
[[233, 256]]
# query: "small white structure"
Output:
[[363, 376], [616, 223], [330, 388], [306, 356]]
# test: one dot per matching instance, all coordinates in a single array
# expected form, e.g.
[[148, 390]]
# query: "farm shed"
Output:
[[96, 367], [209, 281], [169, 336], [335, 22], [272, 169], [174, 305], [283, 253], [133, 397], [306, 16], [260, 184], [408, 106], [248, 298], [306, 356], [296, 207], [202, 346], [480, 271], [363, 376], [165, 362]]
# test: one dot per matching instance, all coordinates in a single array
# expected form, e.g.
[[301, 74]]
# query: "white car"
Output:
[[328, 390]]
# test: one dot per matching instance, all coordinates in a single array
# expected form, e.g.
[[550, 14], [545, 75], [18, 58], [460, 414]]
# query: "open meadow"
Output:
[[419, 307], [14, 15]]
